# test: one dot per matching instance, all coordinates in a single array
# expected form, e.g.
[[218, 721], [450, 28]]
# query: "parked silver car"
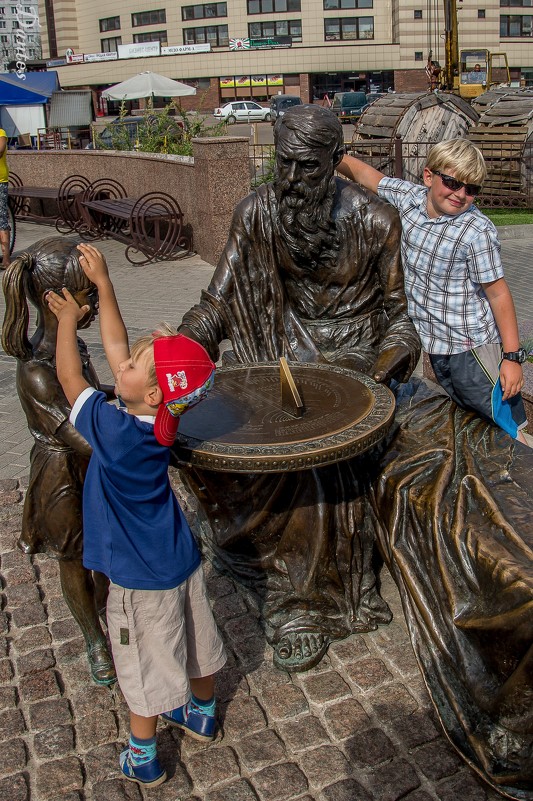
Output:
[[242, 111]]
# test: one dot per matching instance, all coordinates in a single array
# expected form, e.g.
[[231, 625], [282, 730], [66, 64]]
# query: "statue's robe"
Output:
[[448, 497]]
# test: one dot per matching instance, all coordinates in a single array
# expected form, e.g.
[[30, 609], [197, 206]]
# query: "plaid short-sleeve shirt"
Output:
[[445, 262]]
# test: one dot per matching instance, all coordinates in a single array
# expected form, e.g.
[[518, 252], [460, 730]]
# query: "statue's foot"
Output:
[[298, 651], [101, 665]]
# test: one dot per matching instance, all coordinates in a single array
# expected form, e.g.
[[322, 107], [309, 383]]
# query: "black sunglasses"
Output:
[[455, 185]]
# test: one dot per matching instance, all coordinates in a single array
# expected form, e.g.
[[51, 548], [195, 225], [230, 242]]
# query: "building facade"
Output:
[[20, 38], [237, 49]]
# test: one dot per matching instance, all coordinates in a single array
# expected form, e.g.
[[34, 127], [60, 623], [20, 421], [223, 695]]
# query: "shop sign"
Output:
[[100, 56], [176, 50], [140, 50], [242, 80], [259, 80], [227, 83], [275, 80]]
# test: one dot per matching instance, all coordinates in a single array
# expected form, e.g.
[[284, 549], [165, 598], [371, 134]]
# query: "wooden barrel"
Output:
[[420, 119], [504, 134]]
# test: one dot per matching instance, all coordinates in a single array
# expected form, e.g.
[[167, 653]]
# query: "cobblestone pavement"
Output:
[[359, 727]]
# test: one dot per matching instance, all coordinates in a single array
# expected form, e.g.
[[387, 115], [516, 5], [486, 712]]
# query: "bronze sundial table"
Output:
[[242, 426]]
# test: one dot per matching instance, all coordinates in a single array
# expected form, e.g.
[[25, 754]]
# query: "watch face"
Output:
[[519, 356]]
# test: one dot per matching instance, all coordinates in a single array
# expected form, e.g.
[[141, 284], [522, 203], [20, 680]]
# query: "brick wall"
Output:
[[410, 80]]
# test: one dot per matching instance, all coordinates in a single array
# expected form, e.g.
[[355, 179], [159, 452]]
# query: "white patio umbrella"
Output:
[[147, 84]]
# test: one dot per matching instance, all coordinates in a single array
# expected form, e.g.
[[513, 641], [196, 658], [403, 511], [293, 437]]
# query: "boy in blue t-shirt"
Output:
[[134, 530]]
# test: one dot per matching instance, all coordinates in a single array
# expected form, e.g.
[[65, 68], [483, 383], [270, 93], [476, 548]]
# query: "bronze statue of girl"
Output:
[[52, 517]]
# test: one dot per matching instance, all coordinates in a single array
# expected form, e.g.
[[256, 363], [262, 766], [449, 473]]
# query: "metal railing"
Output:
[[509, 182]]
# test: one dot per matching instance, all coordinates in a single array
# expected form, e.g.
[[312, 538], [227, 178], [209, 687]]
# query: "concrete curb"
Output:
[[514, 231]]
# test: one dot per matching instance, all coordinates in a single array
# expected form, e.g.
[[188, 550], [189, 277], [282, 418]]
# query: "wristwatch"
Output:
[[519, 355]]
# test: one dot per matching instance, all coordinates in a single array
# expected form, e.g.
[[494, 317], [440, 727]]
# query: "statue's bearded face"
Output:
[[304, 186]]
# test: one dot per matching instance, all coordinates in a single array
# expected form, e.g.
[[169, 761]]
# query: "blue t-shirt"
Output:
[[133, 528]]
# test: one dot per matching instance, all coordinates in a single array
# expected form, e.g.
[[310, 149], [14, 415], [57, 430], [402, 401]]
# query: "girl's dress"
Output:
[[52, 516]]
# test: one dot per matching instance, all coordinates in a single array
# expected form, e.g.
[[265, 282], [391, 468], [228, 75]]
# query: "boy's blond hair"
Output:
[[146, 344], [461, 157]]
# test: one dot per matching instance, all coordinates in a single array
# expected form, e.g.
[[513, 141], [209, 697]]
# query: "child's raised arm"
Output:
[[112, 328], [68, 360], [361, 172]]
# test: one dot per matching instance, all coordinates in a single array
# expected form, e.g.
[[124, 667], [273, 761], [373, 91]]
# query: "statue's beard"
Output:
[[305, 222]]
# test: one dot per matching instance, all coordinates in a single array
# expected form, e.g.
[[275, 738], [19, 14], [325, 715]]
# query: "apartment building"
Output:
[[256, 48], [20, 38]]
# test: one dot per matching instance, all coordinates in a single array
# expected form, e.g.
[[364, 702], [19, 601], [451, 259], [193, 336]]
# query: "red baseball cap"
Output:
[[185, 374]]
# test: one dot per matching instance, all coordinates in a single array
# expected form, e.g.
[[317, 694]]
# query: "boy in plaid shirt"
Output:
[[457, 296]]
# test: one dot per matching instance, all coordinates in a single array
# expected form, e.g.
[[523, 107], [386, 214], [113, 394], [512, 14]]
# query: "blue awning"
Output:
[[36, 88]]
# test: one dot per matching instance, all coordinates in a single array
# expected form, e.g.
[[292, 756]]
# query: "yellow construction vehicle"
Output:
[[470, 72]]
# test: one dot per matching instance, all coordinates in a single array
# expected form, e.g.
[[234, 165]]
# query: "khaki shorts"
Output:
[[161, 639]]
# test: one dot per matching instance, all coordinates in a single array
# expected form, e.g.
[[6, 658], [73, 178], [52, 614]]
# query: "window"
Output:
[[337, 4], [419, 56], [273, 6], [148, 18], [3, 23], [110, 45], [515, 25], [215, 35], [109, 24], [204, 10], [259, 30], [517, 3], [151, 36], [4, 39], [348, 28], [418, 13], [15, 24], [481, 13], [2, 10]]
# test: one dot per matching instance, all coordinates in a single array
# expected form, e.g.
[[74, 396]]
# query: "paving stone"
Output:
[[14, 757], [212, 766], [47, 568], [303, 734], [35, 662], [54, 742], [4, 649], [369, 748], [242, 628], [325, 765], [266, 676], [228, 607], [71, 650], [58, 777], [393, 635], [15, 559], [11, 724], [179, 784], [260, 749], [6, 671], [242, 717], [32, 639], [252, 651], [345, 790], [279, 782], [236, 791], [57, 608], [463, 786], [66, 629], [69, 797], [9, 497], [416, 729], [91, 699], [437, 760], [345, 718], [29, 615], [4, 625], [39, 685], [219, 586], [20, 575], [96, 729], [229, 683], [420, 795], [14, 788], [368, 673], [349, 650], [325, 687], [393, 701], [392, 780], [8, 697], [285, 702], [403, 659], [101, 764], [46, 714], [116, 790], [23, 594]]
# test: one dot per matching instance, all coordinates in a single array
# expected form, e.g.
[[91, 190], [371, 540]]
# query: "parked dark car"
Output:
[[348, 106], [280, 103]]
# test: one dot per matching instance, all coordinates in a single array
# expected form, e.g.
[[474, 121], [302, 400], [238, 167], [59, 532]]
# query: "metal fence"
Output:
[[509, 163]]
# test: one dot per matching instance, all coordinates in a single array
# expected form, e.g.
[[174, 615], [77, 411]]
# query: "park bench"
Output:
[[151, 226], [64, 211]]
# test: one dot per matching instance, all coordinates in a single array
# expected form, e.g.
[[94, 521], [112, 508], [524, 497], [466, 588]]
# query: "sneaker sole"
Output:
[[203, 738], [155, 783]]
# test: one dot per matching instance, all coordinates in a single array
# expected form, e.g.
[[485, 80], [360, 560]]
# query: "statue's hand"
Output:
[[391, 363]]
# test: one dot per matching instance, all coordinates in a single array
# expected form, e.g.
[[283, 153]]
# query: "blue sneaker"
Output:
[[149, 775], [191, 719]]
